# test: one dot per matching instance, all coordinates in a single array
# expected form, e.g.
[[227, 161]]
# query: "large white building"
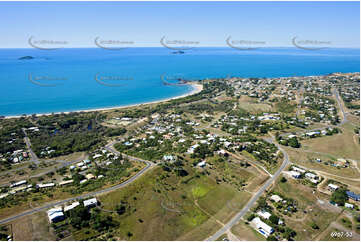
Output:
[[90, 202], [262, 227], [55, 214]]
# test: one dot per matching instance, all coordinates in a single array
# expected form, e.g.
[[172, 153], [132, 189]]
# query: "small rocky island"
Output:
[[28, 57]]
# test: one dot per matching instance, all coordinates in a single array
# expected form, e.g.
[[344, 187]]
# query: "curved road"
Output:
[[251, 202], [113, 188]]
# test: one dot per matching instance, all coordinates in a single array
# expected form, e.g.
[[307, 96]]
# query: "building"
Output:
[[89, 176], [332, 187], [202, 164], [261, 227], [19, 183], [295, 174], [348, 205], [353, 196], [264, 214], [71, 206], [295, 168], [90, 202], [276, 198], [46, 185], [55, 215], [65, 182]]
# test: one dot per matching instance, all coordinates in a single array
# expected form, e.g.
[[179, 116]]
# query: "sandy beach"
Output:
[[196, 88]]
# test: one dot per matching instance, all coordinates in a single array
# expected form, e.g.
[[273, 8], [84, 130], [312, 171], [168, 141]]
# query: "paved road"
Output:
[[251, 202], [302, 90], [338, 99], [34, 157], [91, 194]]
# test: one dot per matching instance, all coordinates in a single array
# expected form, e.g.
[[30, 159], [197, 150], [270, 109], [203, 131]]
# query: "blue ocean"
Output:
[[80, 79]]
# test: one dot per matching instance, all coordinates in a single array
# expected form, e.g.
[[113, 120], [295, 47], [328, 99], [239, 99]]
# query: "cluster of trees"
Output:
[[293, 142], [70, 133], [339, 197]]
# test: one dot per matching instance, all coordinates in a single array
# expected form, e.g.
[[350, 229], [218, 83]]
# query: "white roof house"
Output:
[[19, 183], [262, 227], [332, 186], [55, 214], [71, 206], [65, 182], [264, 214], [97, 156], [202, 164], [348, 205], [295, 174], [276, 198], [90, 202], [310, 175], [46, 185], [295, 168]]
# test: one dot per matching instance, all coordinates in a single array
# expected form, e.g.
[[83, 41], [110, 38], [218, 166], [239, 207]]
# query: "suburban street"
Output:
[[34, 157], [251, 202], [91, 194], [344, 114]]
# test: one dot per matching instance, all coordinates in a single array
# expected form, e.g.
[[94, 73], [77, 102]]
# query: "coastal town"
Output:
[[236, 159]]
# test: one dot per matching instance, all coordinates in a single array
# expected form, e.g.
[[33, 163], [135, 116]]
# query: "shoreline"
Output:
[[196, 88]]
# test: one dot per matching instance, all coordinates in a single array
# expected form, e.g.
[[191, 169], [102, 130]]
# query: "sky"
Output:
[[207, 23]]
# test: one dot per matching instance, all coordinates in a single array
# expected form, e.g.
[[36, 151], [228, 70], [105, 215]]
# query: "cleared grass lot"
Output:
[[340, 145], [189, 209]]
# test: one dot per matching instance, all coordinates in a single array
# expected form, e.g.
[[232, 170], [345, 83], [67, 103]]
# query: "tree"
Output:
[[271, 238], [274, 219], [289, 233], [79, 217], [293, 142], [283, 179], [339, 197], [121, 208], [314, 225]]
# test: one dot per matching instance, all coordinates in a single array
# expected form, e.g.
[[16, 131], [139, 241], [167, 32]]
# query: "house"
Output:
[[55, 215], [169, 158], [310, 175], [89, 176], [65, 182], [46, 185], [90, 202], [295, 174], [348, 205], [97, 156], [222, 152], [202, 164], [353, 196], [276, 198], [332, 187], [19, 183], [264, 214], [295, 168], [71, 206], [262, 227]]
